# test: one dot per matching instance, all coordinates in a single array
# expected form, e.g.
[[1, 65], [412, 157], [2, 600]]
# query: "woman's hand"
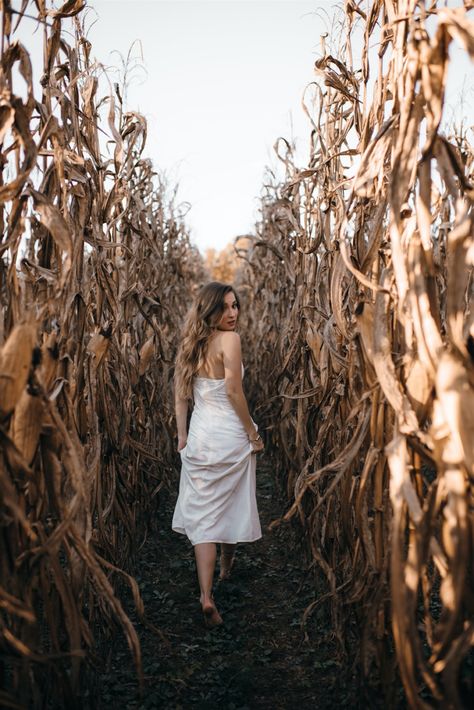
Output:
[[182, 441], [256, 443]]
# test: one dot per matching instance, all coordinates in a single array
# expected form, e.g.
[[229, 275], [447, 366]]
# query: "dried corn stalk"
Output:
[[361, 310], [95, 271]]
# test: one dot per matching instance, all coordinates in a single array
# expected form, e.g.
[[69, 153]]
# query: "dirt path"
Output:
[[258, 659]]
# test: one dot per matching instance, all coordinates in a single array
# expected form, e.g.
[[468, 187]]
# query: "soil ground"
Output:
[[260, 658]]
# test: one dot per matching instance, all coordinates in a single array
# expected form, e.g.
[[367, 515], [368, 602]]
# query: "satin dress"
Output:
[[216, 501]]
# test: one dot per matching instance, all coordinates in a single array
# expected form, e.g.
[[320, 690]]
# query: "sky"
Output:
[[218, 82], [221, 82]]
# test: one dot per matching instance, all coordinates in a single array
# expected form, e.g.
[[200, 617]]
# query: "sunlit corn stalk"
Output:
[[360, 282], [96, 268]]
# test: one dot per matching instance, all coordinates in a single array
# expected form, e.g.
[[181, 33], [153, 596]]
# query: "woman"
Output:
[[216, 501]]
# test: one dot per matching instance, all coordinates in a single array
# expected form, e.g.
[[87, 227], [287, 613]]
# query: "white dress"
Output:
[[216, 501]]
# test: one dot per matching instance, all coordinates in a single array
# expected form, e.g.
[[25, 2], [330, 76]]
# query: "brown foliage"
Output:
[[223, 265], [94, 272], [359, 287]]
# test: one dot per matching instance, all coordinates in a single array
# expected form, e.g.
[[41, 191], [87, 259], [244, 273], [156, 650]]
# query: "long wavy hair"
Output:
[[200, 322]]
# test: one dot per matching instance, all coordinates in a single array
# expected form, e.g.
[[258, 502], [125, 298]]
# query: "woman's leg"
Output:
[[205, 553], [227, 559]]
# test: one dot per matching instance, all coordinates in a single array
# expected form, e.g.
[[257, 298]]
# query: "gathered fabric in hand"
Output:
[[216, 501]]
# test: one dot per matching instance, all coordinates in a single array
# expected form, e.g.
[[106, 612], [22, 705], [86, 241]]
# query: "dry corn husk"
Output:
[[99, 282], [15, 363], [370, 285]]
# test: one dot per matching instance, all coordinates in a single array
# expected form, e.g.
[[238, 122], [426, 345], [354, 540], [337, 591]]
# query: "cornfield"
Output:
[[358, 291], [95, 274], [361, 301]]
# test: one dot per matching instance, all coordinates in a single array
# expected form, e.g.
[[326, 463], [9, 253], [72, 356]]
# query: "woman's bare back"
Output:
[[214, 365]]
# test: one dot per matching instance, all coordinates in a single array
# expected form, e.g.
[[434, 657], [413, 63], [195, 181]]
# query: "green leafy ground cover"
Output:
[[260, 658]]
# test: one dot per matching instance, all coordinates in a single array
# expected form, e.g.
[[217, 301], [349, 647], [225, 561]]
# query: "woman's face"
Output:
[[228, 320]]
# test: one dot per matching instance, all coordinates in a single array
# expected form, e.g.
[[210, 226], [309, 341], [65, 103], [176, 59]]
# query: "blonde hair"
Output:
[[200, 322]]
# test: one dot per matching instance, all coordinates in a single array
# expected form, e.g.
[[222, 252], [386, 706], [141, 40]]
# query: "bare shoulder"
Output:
[[229, 340], [230, 336]]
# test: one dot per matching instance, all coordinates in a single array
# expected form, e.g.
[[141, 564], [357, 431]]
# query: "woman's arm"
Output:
[[233, 382], [181, 411]]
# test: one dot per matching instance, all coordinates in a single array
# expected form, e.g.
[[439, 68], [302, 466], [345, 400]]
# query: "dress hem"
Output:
[[181, 531]]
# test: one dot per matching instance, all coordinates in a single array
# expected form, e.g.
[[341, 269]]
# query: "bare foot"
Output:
[[211, 615]]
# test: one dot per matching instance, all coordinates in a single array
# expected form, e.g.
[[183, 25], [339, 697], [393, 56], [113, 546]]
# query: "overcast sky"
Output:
[[221, 80]]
